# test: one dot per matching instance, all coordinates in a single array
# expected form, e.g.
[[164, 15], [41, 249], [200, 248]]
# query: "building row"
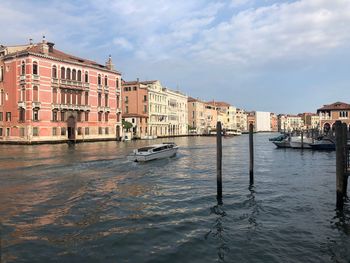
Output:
[[47, 95]]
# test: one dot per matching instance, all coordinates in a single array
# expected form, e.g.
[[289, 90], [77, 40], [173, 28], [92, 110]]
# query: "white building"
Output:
[[177, 112], [262, 121]]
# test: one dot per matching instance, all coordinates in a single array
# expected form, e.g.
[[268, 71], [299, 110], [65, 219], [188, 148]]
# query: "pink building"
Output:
[[50, 96]]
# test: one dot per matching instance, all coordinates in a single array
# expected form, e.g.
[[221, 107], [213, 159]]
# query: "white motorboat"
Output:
[[153, 152], [295, 142]]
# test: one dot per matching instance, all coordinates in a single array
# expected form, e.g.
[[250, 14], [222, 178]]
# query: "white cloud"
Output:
[[123, 43]]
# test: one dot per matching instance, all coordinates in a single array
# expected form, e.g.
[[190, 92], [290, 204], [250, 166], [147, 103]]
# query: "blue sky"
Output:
[[279, 56]]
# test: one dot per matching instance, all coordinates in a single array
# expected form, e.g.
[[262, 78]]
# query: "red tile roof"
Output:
[[335, 106], [55, 53]]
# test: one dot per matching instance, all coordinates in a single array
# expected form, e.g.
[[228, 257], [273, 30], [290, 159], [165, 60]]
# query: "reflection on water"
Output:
[[87, 203]]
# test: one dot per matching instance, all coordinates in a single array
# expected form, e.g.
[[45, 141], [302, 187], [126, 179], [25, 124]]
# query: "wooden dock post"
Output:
[[340, 158], [345, 141], [251, 154], [219, 161]]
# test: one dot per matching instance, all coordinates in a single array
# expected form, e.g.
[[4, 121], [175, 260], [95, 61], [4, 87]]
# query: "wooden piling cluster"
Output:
[[342, 162]]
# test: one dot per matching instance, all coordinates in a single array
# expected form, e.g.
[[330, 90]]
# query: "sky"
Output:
[[266, 55]]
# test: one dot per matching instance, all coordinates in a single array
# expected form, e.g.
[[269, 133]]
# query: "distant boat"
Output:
[[278, 138], [153, 152], [232, 133], [295, 142], [282, 144], [323, 144]]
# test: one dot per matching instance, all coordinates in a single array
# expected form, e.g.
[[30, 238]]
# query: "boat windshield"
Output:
[[145, 149]]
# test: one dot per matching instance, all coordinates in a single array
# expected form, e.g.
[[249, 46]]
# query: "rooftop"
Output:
[[335, 106]]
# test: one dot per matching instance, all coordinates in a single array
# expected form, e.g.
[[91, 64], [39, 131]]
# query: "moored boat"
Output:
[[323, 144], [282, 144], [296, 143], [153, 152]]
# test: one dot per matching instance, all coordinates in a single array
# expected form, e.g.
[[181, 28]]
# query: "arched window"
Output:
[[99, 79], [68, 74], [23, 68], [117, 83], [35, 94], [63, 73], [79, 75], [106, 81], [23, 94], [74, 74], [86, 77], [35, 68], [54, 95], [54, 72]]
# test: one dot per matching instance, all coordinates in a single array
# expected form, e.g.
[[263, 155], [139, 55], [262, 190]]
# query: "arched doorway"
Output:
[[326, 127], [71, 126], [117, 132]]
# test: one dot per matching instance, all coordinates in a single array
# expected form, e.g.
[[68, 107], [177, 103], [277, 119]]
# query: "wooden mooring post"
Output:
[[302, 139], [251, 154], [346, 158], [340, 148], [219, 161]]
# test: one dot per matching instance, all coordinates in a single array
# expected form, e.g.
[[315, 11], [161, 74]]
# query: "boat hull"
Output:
[[282, 144], [153, 156], [323, 146], [297, 145]]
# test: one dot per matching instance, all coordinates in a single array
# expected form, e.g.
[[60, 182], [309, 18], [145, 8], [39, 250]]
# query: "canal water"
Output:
[[87, 203]]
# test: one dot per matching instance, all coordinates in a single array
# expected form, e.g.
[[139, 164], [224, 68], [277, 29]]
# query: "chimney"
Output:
[[44, 47], [50, 44], [109, 63]]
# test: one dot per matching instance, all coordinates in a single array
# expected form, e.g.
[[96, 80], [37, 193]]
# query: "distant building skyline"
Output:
[[273, 56]]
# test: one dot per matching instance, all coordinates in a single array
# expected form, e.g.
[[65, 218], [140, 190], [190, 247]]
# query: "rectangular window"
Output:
[[106, 130], [63, 116], [135, 88], [8, 132], [86, 116], [99, 130], [86, 98], [63, 131], [1, 73], [69, 97], [22, 113], [54, 131], [21, 132], [79, 116], [1, 116], [54, 116], [106, 100], [99, 100], [126, 99], [35, 115], [106, 117], [144, 108], [8, 116], [144, 97], [87, 131], [80, 131], [100, 116], [35, 131], [117, 101], [63, 97], [1, 131], [126, 109]]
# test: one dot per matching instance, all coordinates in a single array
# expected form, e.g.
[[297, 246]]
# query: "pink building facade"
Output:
[[50, 96]]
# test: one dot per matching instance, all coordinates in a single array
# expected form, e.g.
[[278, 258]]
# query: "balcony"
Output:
[[35, 77], [36, 104], [118, 110], [22, 78], [22, 104], [86, 86], [55, 106], [100, 109], [107, 109], [67, 83], [54, 81], [99, 87]]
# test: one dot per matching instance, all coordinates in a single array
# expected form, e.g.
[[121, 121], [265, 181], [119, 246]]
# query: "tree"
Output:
[[127, 125]]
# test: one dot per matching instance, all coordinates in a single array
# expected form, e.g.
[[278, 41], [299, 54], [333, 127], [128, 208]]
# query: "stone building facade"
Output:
[[47, 95]]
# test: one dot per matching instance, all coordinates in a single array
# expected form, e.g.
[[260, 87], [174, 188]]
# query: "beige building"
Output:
[[211, 117], [290, 123], [241, 120], [196, 116], [157, 125], [177, 112]]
